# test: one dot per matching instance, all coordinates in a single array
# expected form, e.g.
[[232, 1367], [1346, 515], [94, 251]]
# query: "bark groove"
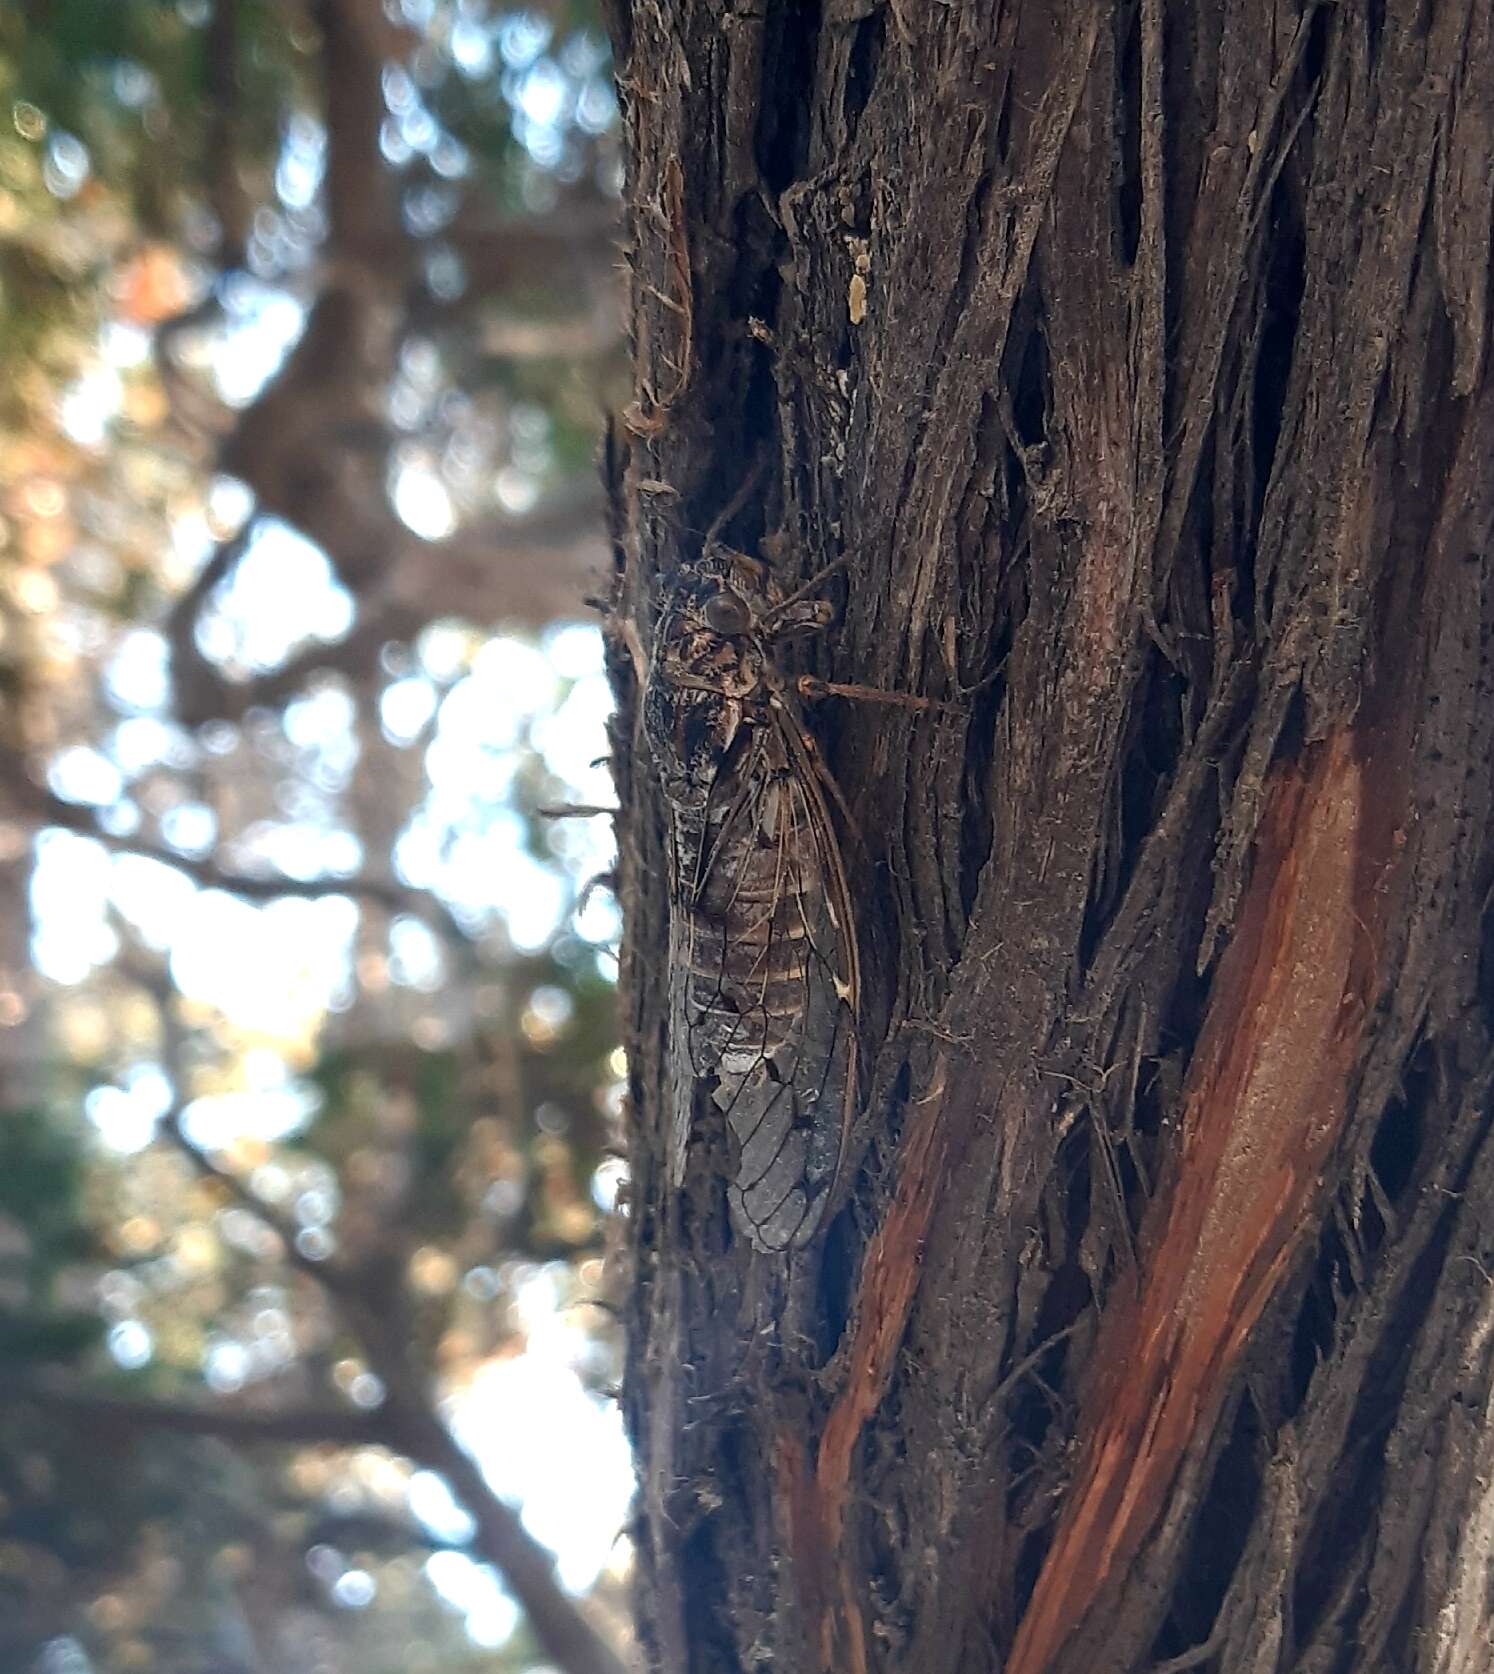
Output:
[[1135, 358]]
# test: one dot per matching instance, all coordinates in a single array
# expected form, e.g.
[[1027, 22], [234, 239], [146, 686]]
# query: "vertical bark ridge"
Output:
[[1134, 359]]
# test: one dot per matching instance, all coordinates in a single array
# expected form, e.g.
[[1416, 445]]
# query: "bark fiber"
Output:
[[1135, 357]]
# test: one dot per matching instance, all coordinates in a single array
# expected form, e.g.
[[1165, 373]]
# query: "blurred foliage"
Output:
[[117, 118], [43, 1231], [140, 85], [302, 989], [41, 1178]]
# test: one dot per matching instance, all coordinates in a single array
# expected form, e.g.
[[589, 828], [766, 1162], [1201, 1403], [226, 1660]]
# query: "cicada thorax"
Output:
[[763, 959]]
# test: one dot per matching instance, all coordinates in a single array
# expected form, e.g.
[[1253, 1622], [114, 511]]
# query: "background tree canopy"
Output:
[[309, 1075]]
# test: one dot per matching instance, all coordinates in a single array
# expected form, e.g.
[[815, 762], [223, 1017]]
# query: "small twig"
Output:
[[345, 1426], [607, 880], [385, 892], [1028, 1362], [1192, 1657], [328, 1274], [575, 811]]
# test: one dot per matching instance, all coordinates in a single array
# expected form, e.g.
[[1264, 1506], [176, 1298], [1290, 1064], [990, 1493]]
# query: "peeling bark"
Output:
[[1134, 358]]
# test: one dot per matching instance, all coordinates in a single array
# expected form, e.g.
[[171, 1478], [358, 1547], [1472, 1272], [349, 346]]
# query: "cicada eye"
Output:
[[727, 613]]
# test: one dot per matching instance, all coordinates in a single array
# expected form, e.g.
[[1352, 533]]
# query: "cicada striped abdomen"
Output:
[[764, 970]]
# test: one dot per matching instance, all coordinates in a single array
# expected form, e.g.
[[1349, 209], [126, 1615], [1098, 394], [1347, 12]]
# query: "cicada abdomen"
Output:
[[765, 989]]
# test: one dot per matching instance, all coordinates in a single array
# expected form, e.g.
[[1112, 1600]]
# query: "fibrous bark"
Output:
[[1135, 358]]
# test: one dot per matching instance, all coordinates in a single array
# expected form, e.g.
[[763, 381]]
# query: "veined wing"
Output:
[[766, 980]]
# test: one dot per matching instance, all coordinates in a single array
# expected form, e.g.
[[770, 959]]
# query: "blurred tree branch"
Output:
[[243, 1426], [312, 447], [370, 1302], [47, 808], [529, 572], [412, 1430]]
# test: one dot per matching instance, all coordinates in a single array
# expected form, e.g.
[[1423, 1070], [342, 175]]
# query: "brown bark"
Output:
[[1135, 360]]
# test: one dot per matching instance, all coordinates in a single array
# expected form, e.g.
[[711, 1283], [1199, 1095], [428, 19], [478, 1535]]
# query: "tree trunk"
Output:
[[1134, 359]]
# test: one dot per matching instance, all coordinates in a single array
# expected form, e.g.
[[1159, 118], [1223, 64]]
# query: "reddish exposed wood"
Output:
[[1263, 1107], [889, 1279], [816, 1504]]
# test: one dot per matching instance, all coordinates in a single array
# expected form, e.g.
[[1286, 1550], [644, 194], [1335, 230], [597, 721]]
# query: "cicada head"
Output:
[[708, 668], [712, 673]]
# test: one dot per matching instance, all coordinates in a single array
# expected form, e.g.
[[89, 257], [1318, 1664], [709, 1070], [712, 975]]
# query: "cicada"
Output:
[[764, 969]]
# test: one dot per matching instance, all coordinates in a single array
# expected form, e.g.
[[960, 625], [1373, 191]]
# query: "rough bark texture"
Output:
[[1136, 359]]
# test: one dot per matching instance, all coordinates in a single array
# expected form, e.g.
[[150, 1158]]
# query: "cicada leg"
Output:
[[807, 616], [785, 606], [811, 688]]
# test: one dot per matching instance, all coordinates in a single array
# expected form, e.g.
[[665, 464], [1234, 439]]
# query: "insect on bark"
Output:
[[764, 970]]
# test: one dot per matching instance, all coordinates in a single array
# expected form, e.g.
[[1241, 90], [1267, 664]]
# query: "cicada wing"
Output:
[[691, 1057], [764, 980], [698, 1033], [786, 1116], [780, 1014], [680, 1073]]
